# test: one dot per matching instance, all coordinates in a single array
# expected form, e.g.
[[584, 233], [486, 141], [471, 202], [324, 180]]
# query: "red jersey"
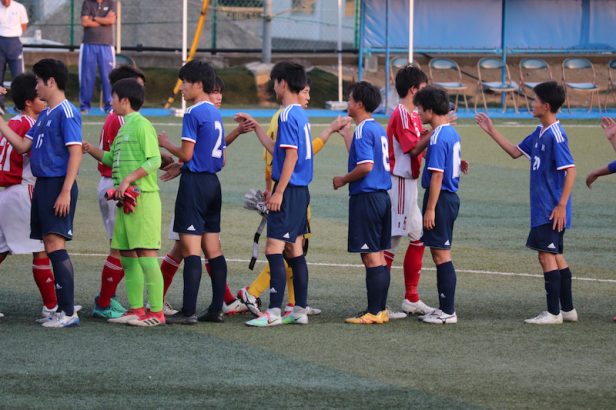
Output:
[[403, 133], [15, 167], [112, 125]]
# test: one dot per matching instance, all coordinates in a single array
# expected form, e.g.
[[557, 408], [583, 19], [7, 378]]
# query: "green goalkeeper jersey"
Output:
[[135, 146]]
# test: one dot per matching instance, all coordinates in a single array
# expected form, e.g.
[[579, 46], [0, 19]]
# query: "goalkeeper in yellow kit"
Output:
[[249, 295]]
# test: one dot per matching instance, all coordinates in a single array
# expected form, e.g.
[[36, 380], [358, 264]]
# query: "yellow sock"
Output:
[[290, 285], [261, 283]]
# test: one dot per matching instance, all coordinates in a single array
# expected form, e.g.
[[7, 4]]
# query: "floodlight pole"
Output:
[[387, 68], [266, 54], [504, 49], [119, 28], [339, 50], [184, 40], [411, 27]]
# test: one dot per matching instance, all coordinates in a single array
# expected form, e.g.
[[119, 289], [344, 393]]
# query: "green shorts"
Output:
[[141, 229]]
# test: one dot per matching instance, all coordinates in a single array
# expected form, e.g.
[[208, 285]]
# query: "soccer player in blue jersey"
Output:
[[288, 204], [552, 175], [440, 179], [55, 145], [369, 204], [199, 199]]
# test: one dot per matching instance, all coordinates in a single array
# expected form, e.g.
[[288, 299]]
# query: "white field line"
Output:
[[351, 265]]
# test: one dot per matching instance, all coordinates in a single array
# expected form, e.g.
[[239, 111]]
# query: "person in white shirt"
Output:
[[13, 23]]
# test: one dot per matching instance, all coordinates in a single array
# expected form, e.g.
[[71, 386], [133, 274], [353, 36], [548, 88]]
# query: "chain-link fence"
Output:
[[296, 25]]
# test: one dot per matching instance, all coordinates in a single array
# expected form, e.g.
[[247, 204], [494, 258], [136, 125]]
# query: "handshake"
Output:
[[128, 202]]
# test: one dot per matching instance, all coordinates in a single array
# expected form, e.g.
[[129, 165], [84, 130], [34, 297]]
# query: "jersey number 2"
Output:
[[217, 152]]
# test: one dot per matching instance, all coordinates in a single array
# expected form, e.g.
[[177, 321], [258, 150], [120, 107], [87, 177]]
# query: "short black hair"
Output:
[[23, 88], [408, 77], [367, 94], [552, 93], [219, 85], [125, 71], [433, 98], [48, 68], [131, 89], [198, 71], [293, 73]]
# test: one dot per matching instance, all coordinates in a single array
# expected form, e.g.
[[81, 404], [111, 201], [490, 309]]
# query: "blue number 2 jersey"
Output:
[[443, 156], [549, 155], [54, 130], [370, 146], [202, 125], [293, 133]]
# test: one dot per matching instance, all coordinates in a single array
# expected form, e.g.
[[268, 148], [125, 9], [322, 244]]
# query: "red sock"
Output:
[[168, 267], [412, 269], [389, 259], [229, 297], [111, 276], [43, 276]]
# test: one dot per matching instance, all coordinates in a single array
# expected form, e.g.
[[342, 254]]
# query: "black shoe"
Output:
[[212, 316], [180, 319]]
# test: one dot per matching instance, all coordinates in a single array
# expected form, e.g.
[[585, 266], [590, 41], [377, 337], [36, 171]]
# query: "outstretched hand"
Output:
[[484, 122], [609, 127]]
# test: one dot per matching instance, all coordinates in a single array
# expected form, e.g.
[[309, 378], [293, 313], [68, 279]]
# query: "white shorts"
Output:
[[15, 204], [108, 208], [173, 235], [406, 219]]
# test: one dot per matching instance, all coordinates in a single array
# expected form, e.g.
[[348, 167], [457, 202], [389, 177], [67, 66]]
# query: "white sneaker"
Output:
[[60, 319], [415, 308], [251, 302], [570, 316], [312, 311], [47, 314], [269, 318], [394, 315], [234, 308], [298, 316], [438, 317], [545, 318]]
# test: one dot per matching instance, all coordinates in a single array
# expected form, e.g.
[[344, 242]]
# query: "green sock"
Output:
[[154, 282], [133, 277]]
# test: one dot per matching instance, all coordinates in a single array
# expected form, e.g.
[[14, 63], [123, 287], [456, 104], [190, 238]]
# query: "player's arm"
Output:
[[421, 145], [63, 202], [609, 128], [559, 214], [486, 124], [184, 152], [242, 128], [96, 153], [319, 142], [108, 20], [290, 159], [266, 141], [599, 172], [436, 182], [347, 135], [359, 172], [21, 145], [88, 21]]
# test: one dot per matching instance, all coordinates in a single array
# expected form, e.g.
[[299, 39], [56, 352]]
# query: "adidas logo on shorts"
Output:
[[365, 246], [447, 243], [552, 246], [191, 228], [286, 235]]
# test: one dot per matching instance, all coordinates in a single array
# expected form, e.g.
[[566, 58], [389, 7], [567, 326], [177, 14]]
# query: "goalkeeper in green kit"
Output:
[[134, 158]]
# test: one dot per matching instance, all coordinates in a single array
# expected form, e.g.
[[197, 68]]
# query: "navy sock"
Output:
[[446, 285], [552, 290], [192, 280], [386, 281], [278, 279], [374, 288], [566, 294], [64, 276], [300, 280], [218, 266]]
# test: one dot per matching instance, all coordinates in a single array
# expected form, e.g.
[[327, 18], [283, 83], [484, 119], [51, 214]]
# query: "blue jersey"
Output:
[[370, 146], [443, 156], [549, 155], [202, 125], [54, 130], [293, 133]]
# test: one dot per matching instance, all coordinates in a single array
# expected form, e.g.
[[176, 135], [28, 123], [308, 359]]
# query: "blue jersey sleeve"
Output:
[[560, 147], [288, 132], [364, 146], [190, 125], [71, 129], [438, 155], [526, 146]]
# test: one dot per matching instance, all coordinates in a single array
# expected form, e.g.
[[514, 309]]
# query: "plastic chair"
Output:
[[456, 87], [123, 59], [611, 82], [396, 64], [578, 65], [491, 66], [540, 70]]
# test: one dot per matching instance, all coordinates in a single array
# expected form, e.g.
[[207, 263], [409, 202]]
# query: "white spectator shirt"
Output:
[[11, 19]]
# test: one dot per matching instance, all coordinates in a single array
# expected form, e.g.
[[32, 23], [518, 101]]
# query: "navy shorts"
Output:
[[43, 219], [369, 222], [292, 220], [445, 214], [198, 204], [545, 239]]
